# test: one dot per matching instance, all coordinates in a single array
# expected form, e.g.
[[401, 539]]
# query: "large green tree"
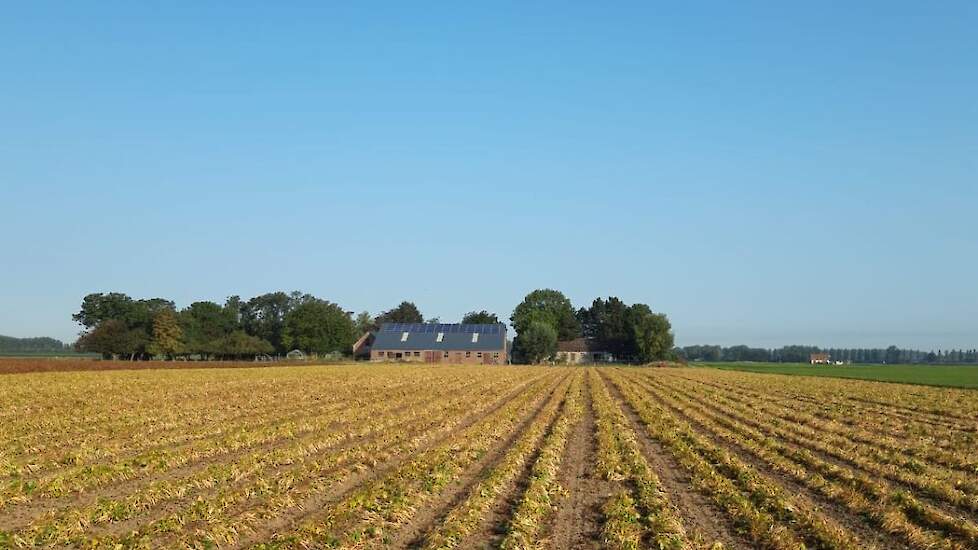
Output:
[[536, 343], [607, 323], [264, 316], [405, 312], [318, 326], [98, 307], [652, 333], [204, 323], [113, 339], [480, 318], [550, 307], [136, 316]]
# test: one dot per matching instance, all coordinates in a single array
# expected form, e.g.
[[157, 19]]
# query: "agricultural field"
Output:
[[368, 456], [954, 376], [10, 365]]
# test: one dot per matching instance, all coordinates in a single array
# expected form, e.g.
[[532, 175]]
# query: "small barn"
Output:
[[440, 343], [581, 350]]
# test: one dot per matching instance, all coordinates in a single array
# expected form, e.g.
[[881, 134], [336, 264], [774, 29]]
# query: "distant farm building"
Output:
[[821, 359], [581, 350], [440, 343]]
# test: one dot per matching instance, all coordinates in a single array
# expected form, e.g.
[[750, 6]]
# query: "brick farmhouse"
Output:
[[440, 343]]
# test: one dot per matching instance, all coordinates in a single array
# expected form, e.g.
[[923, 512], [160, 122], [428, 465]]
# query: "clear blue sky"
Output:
[[764, 173]]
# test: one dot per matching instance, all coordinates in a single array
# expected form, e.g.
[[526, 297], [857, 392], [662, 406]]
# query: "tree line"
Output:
[[629, 332], [802, 354], [9, 344], [272, 324]]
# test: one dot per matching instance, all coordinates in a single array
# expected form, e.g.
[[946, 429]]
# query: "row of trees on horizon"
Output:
[[43, 344], [801, 354], [275, 323], [117, 325]]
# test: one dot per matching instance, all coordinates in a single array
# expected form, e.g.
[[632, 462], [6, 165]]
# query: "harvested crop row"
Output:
[[860, 494], [468, 515], [759, 506], [855, 398], [196, 428], [131, 401], [375, 508], [620, 459], [71, 523], [86, 478], [949, 487], [536, 504], [190, 446], [926, 443]]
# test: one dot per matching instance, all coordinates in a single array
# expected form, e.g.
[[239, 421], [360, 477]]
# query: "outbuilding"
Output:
[[581, 350], [440, 343]]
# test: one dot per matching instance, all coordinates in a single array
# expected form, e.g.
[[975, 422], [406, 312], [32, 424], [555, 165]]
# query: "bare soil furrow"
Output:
[[697, 511], [578, 521]]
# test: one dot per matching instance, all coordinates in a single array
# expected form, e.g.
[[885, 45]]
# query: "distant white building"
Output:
[[821, 359]]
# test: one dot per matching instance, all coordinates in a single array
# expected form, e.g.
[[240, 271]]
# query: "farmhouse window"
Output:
[[417, 354], [468, 354], [479, 354]]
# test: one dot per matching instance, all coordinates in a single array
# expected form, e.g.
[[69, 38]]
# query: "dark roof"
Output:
[[577, 345], [421, 336]]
